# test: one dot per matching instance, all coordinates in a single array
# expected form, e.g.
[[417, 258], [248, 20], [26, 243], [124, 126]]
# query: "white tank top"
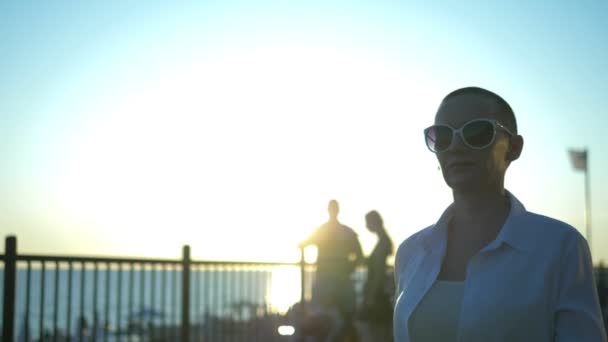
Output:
[[436, 316]]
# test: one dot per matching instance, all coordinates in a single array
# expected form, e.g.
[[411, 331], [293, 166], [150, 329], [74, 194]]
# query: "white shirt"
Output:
[[534, 282]]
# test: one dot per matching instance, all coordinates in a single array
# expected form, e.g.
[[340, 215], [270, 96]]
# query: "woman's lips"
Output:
[[460, 165]]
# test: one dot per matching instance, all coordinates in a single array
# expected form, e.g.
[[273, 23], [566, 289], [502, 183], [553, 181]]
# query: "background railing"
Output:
[[61, 298], [69, 298]]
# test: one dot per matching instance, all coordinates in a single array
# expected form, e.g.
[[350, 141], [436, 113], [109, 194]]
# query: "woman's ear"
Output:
[[515, 148]]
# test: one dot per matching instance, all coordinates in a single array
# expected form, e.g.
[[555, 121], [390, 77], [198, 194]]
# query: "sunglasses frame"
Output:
[[495, 124]]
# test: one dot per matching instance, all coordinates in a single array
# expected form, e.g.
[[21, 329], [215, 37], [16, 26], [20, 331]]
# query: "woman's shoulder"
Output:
[[548, 227], [413, 243], [535, 230]]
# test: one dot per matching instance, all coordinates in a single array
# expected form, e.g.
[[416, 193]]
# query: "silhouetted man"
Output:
[[338, 253]]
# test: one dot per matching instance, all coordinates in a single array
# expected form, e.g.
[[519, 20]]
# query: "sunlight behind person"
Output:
[[208, 152], [135, 128], [284, 288]]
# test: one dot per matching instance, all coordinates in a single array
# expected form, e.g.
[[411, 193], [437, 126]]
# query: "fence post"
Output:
[[301, 312], [185, 327], [302, 278], [10, 268]]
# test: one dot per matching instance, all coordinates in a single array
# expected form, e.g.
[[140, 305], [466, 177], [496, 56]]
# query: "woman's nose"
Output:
[[458, 143]]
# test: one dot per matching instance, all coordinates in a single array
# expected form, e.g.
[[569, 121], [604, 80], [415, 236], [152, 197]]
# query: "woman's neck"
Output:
[[480, 212], [381, 232]]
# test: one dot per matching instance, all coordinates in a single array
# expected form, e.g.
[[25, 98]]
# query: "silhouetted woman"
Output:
[[489, 270], [377, 307]]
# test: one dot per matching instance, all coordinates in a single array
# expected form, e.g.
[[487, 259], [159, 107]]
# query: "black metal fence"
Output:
[[66, 298]]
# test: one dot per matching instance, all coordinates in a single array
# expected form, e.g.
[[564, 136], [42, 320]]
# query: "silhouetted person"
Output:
[[601, 283], [489, 270], [338, 253], [377, 307]]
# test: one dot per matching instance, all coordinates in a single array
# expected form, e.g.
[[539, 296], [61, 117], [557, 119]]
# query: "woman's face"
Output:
[[372, 223], [465, 169]]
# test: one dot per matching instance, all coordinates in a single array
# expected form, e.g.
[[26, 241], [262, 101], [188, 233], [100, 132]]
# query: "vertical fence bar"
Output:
[[241, 299], [260, 291], [229, 286], [185, 326], [56, 300], [192, 314], [131, 286], [106, 310], [174, 303], [10, 273], [95, 315], [267, 288], [204, 274], [27, 300], [197, 292], [238, 303], [118, 301], [254, 304], [69, 314], [231, 276], [42, 286], [153, 310], [142, 302], [300, 314], [218, 291], [196, 306], [206, 302], [302, 280], [163, 300], [81, 320], [212, 300]]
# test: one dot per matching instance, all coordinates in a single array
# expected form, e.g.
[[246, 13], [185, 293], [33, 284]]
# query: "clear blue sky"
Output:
[[133, 127]]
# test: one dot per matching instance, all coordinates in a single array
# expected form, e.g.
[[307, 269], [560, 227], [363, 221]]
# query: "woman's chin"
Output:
[[465, 184]]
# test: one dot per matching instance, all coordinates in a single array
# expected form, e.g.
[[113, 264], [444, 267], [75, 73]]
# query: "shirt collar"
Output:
[[511, 233]]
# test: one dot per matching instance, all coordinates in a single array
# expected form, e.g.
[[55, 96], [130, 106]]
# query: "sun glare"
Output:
[[284, 288], [223, 152]]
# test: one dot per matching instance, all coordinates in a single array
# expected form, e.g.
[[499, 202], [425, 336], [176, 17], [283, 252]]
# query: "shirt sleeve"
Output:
[[397, 269], [311, 239], [578, 316]]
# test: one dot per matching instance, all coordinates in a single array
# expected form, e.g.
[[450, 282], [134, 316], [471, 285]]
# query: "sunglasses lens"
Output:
[[438, 138], [478, 134]]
